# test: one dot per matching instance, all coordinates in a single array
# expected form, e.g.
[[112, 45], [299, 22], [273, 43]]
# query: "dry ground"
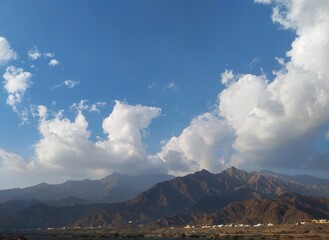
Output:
[[279, 232]]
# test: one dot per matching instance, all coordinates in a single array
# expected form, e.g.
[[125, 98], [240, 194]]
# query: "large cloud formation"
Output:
[[274, 123], [257, 122], [65, 150]]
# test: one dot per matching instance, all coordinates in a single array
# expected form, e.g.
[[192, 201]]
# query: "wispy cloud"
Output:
[[263, 1], [255, 61], [71, 83], [49, 55], [68, 84], [85, 105], [151, 85], [172, 87]]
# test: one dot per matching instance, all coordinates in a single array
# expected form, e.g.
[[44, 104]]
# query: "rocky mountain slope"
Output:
[[200, 198], [287, 208]]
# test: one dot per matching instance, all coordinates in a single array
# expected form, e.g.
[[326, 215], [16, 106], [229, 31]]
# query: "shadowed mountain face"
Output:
[[200, 198], [195, 191], [113, 188], [287, 208]]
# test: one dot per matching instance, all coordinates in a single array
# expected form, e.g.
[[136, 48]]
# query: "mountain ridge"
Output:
[[194, 198], [112, 188]]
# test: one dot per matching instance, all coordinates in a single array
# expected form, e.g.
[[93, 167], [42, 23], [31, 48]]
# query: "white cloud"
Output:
[[172, 86], [81, 106], [258, 122], [124, 126], [274, 123], [68, 84], [227, 77], [53, 62], [42, 112], [263, 1], [49, 55], [34, 53], [17, 81], [71, 83], [65, 150], [6, 52], [255, 61], [281, 61], [203, 144], [151, 85], [84, 105], [95, 107]]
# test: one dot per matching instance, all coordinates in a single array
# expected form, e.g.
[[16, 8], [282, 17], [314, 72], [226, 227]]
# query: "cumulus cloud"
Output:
[[6, 52], [17, 81], [203, 144], [258, 122], [274, 123], [124, 126], [34, 53], [65, 150]]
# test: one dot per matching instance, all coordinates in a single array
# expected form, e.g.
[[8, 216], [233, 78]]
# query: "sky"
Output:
[[89, 88]]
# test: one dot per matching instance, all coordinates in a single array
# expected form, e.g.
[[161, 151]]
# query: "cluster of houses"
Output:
[[322, 221], [231, 225]]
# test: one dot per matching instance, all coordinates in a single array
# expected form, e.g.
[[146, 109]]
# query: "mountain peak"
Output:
[[203, 172], [232, 170], [236, 173]]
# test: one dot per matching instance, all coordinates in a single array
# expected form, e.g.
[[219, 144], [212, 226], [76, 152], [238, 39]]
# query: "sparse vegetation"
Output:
[[309, 231]]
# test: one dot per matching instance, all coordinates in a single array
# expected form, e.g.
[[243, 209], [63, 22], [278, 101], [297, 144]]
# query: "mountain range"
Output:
[[231, 196], [113, 188]]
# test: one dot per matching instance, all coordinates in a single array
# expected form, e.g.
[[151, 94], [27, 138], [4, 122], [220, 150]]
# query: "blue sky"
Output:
[[164, 54]]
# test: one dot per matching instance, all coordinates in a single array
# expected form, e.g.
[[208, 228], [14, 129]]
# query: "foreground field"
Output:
[[280, 232]]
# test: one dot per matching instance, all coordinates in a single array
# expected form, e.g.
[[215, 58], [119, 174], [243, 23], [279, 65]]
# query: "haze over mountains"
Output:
[[113, 188], [200, 198]]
